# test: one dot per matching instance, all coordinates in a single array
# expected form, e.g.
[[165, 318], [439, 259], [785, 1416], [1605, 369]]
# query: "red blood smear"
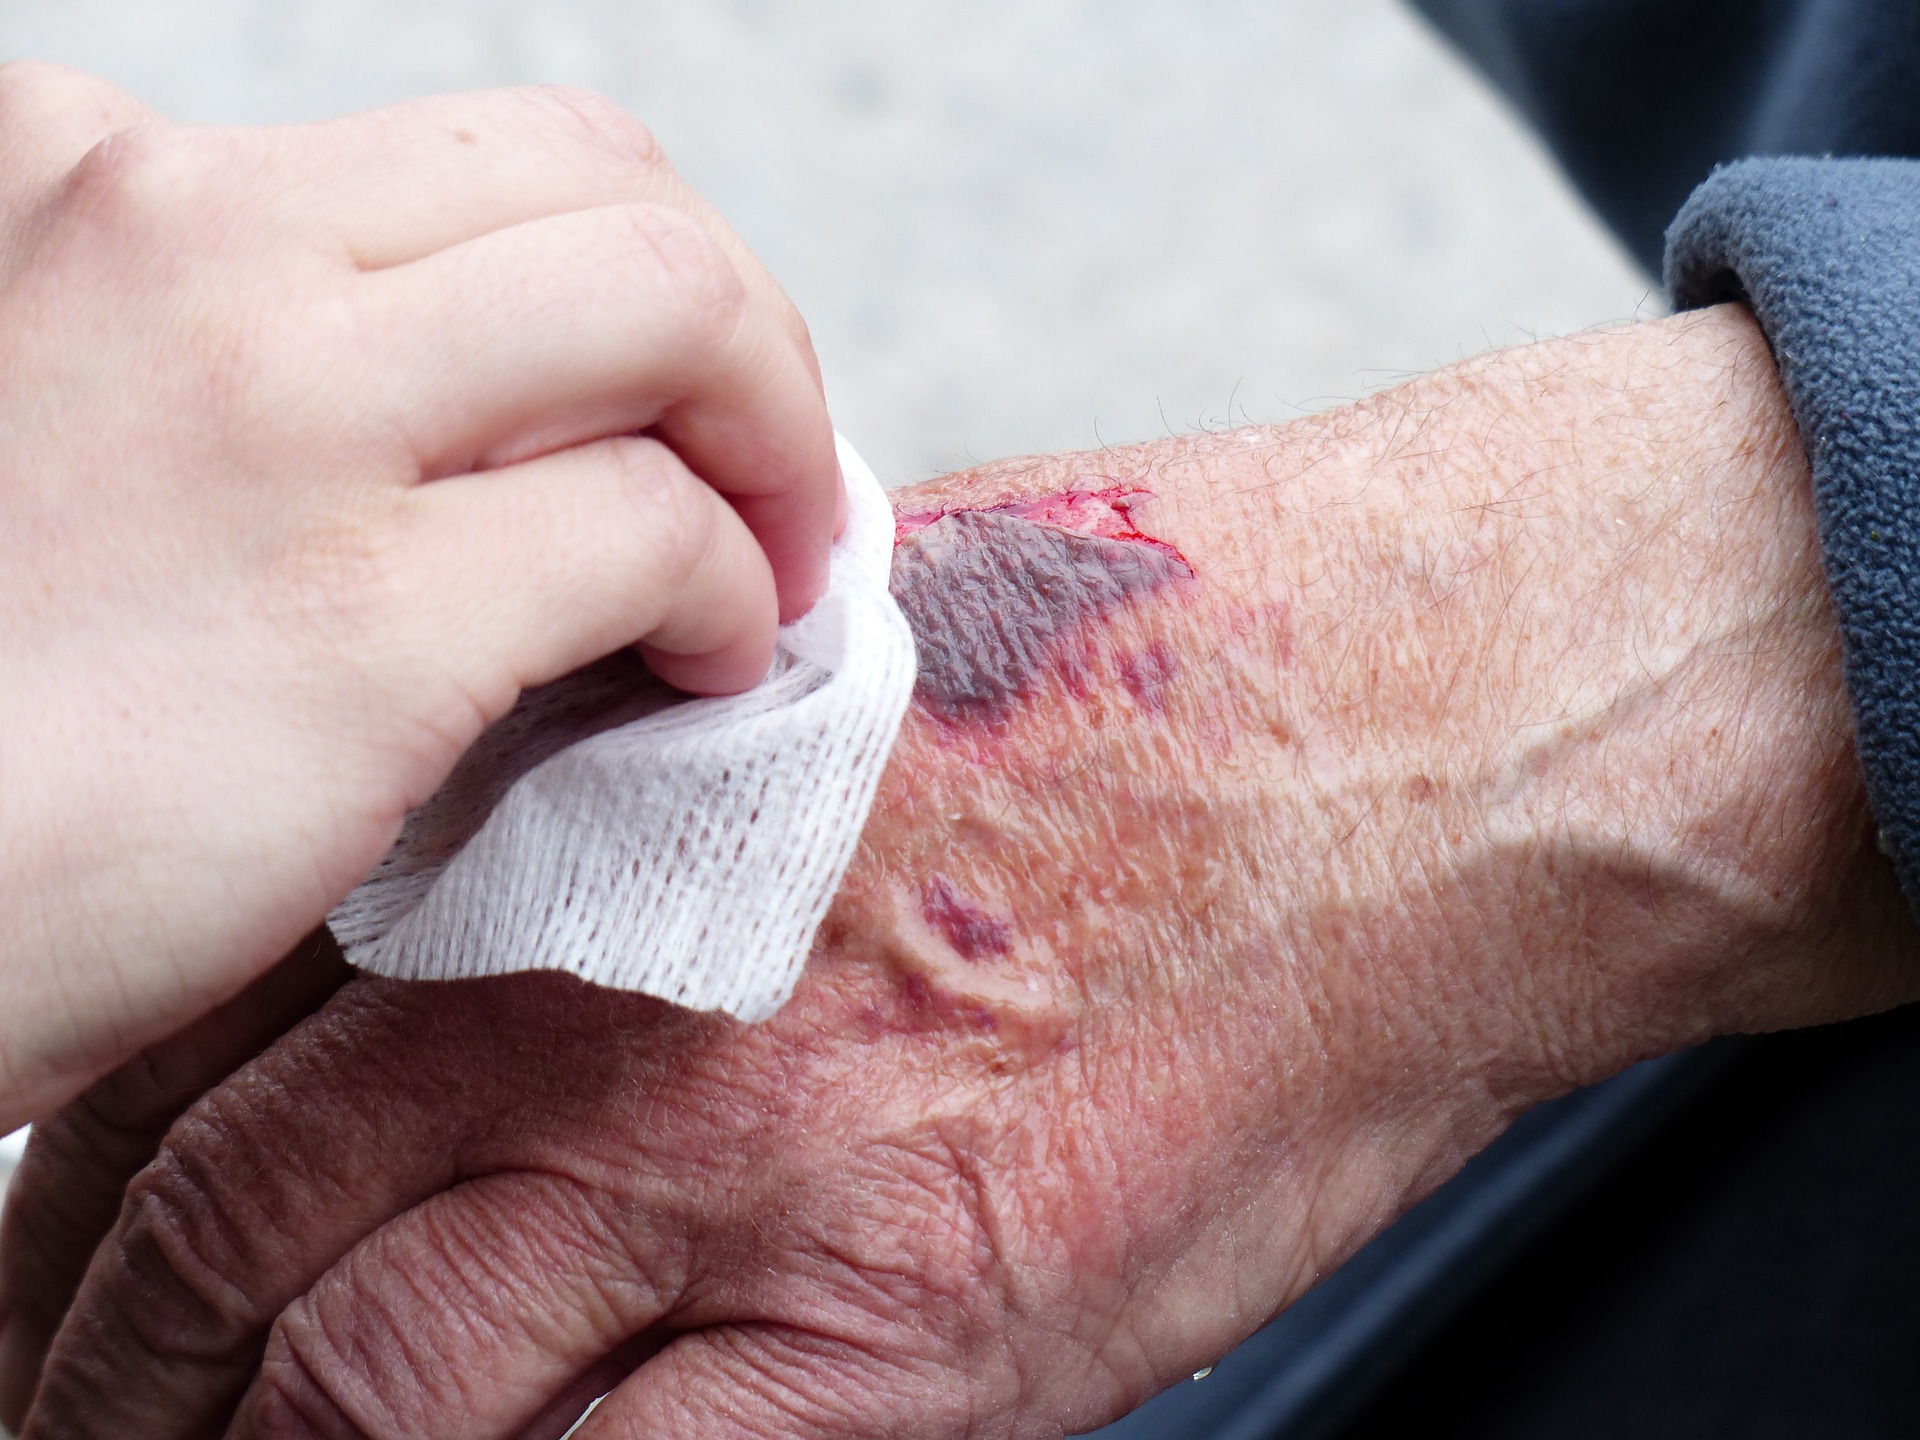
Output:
[[972, 931], [1106, 513]]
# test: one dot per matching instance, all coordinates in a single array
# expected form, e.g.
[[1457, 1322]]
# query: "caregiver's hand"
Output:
[[1495, 740], [311, 457]]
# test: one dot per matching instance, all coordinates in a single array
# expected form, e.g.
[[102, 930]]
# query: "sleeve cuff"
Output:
[[1827, 254]]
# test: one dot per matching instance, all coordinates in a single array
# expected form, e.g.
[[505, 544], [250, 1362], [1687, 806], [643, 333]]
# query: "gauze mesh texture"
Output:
[[684, 848]]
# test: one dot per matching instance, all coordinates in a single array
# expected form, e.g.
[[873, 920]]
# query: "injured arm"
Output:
[[1279, 813]]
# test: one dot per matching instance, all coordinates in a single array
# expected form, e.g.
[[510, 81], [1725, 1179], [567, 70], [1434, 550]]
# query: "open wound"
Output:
[[999, 596]]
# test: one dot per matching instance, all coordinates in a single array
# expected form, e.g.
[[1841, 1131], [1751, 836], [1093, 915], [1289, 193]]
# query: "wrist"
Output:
[[1629, 754], [1502, 742], [1582, 682]]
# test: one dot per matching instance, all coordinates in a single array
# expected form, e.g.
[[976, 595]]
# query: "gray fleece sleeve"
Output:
[[1827, 253]]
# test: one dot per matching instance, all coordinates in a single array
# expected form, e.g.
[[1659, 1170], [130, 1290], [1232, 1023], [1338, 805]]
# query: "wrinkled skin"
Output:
[[1495, 741]]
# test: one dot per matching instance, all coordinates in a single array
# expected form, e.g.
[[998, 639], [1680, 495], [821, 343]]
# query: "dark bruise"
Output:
[[973, 932], [995, 601]]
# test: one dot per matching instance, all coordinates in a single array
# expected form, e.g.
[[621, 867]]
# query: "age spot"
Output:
[[974, 932], [995, 597]]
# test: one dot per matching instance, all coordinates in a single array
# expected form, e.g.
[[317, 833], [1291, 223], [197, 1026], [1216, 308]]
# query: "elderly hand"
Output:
[[1334, 794], [311, 458]]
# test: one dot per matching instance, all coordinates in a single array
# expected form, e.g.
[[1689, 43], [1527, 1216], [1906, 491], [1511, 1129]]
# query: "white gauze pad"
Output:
[[687, 849]]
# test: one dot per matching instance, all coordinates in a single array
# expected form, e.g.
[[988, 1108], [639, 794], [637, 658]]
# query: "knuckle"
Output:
[[377, 1354], [810, 1383], [595, 125], [177, 206], [180, 1270], [144, 177], [691, 268], [633, 1266], [64, 1199], [34, 87], [679, 516], [930, 1236], [945, 1257]]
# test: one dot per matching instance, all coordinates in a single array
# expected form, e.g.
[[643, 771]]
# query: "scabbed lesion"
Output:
[[1000, 598]]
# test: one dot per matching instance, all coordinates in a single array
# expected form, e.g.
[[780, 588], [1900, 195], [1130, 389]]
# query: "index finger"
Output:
[[258, 1190], [65, 1196], [409, 182], [358, 1118]]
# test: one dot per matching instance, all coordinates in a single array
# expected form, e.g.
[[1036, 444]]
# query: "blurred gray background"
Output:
[[1013, 224]]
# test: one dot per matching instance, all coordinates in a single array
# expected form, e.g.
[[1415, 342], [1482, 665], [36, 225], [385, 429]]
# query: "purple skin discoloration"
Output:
[[995, 601], [973, 932], [927, 1010], [1148, 673]]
